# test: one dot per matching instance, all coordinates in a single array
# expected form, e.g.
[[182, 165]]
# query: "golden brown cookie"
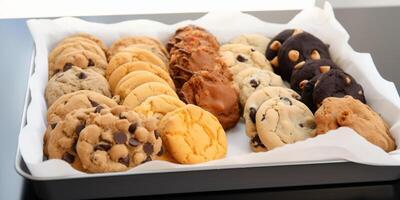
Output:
[[112, 140], [122, 72], [134, 54], [80, 58], [135, 79], [122, 43], [193, 135], [158, 106], [142, 92], [347, 111], [85, 37], [156, 51]]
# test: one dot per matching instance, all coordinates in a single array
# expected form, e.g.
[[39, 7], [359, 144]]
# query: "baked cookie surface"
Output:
[[347, 111], [283, 120]]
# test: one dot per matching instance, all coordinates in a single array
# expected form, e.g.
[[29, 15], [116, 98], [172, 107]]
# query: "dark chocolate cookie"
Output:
[[306, 70], [334, 83], [275, 44], [300, 47]]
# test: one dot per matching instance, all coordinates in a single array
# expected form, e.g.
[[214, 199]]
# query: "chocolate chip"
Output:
[[161, 152], [301, 125], [93, 103], [79, 128], [252, 114], [53, 125], [252, 50], [157, 134], [98, 109], [147, 159], [257, 142], [263, 117], [132, 128], [124, 161], [120, 137], [286, 100], [241, 58], [148, 148], [67, 66], [133, 142], [69, 158], [81, 75], [121, 116], [254, 83], [90, 63], [102, 147]]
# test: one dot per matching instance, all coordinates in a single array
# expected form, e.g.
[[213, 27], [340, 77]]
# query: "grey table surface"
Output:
[[373, 30]]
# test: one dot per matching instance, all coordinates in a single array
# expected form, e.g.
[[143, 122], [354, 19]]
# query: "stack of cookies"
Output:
[[91, 131], [264, 96], [200, 74]]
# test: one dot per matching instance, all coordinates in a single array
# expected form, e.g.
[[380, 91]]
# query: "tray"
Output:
[[245, 177], [248, 177]]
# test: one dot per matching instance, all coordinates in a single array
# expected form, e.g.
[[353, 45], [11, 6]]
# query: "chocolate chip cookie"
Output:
[[75, 79], [112, 140], [253, 103], [283, 120]]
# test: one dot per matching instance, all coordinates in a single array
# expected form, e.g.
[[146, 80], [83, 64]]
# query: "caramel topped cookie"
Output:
[[192, 36], [215, 94], [116, 139], [298, 48], [337, 112]]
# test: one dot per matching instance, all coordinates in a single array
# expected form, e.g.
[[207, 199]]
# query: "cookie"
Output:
[[240, 54], [85, 37], [135, 79], [156, 51], [73, 80], [122, 43], [298, 48], [334, 83], [134, 54], [142, 92], [112, 140], [275, 44], [74, 45], [158, 106], [283, 120], [306, 70], [184, 64], [347, 111], [193, 135], [80, 58], [254, 102], [257, 41], [72, 101], [214, 93], [61, 142], [192, 36], [253, 79], [122, 72]]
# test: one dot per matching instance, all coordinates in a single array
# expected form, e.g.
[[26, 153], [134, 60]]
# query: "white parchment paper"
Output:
[[338, 145]]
